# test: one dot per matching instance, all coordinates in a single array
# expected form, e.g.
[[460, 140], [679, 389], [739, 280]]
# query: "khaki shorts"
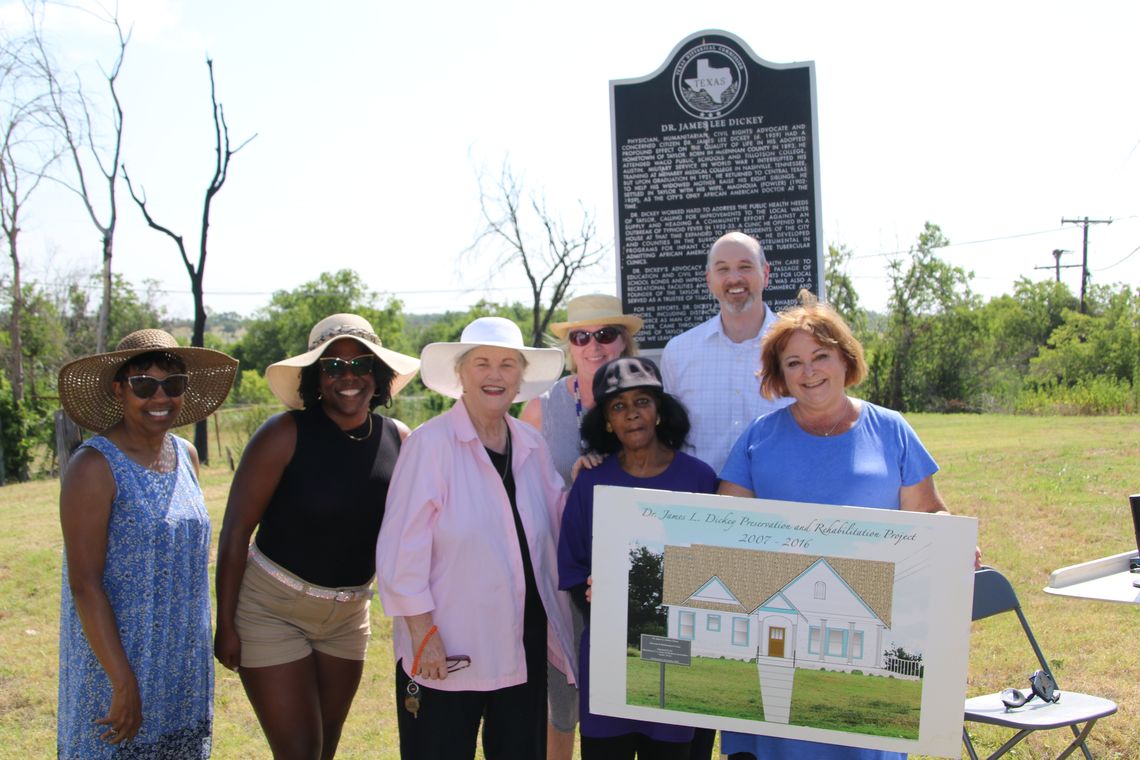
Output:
[[277, 624]]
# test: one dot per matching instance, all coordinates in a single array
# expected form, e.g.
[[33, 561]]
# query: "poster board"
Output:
[[790, 611]]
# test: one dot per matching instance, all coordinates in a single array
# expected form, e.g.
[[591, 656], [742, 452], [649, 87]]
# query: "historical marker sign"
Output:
[[666, 650], [715, 140]]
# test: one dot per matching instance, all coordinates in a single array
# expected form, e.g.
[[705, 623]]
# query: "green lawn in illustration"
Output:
[[849, 702]]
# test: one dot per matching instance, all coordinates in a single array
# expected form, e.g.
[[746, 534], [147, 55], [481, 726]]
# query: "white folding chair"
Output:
[[993, 595]]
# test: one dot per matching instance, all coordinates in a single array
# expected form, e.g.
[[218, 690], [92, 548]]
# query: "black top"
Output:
[[324, 517], [534, 614]]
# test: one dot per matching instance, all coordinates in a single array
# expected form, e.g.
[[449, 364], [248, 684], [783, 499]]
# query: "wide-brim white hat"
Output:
[[284, 377], [437, 368]]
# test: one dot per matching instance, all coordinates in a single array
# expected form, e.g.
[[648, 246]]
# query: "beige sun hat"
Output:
[[543, 367], [595, 309], [284, 377], [85, 384]]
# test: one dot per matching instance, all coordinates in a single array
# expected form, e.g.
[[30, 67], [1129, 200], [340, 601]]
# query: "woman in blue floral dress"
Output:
[[135, 654]]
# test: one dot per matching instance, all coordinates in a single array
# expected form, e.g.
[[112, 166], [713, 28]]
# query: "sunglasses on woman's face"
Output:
[[1041, 685], [145, 386], [605, 336], [336, 367]]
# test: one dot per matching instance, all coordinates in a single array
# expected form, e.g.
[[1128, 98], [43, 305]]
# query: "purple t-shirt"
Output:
[[685, 473]]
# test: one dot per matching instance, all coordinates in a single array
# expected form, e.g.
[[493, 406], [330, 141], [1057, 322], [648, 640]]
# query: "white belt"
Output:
[[353, 594]]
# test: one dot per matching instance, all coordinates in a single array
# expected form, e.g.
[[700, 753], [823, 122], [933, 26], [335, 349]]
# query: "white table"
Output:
[[1106, 579]]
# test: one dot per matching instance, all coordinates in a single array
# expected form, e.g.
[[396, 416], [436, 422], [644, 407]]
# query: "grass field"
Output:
[[1047, 492], [836, 701]]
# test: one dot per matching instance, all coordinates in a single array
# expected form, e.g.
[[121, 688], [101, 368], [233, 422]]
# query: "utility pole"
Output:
[[1085, 222], [1057, 253]]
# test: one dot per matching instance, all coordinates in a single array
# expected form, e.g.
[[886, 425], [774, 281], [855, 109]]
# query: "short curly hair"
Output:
[[828, 329], [310, 386], [167, 362], [673, 430]]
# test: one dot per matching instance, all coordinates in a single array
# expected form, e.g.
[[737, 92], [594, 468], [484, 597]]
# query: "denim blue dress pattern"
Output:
[[156, 577]]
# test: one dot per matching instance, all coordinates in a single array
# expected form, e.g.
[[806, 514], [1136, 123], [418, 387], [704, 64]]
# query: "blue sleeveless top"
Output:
[[156, 578]]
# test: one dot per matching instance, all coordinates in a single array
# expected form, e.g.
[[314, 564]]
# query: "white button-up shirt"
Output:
[[718, 381]]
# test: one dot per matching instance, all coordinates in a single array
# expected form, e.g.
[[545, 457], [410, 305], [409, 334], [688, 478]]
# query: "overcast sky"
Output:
[[994, 120]]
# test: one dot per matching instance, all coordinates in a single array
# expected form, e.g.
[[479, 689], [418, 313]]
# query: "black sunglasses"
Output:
[[605, 336], [1041, 685], [336, 367], [145, 386]]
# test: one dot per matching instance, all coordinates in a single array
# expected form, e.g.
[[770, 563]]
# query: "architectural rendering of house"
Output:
[[813, 611]]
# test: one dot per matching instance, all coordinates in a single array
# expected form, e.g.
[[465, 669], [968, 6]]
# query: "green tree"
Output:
[[251, 389], [449, 325], [16, 439], [917, 362], [1013, 328], [1104, 343], [129, 310], [282, 328], [840, 290], [646, 582]]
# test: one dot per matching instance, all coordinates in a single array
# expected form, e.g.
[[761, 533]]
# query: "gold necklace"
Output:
[[364, 437], [842, 417]]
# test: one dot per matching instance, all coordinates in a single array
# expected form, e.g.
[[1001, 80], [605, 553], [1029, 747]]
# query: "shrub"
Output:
[[1090, 396]]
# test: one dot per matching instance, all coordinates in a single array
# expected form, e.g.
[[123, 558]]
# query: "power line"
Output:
[[998, 239], [884, 254], [1126, 258]]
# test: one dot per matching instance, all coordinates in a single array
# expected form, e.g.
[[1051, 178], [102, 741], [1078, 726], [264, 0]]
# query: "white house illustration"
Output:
[[814, 611]]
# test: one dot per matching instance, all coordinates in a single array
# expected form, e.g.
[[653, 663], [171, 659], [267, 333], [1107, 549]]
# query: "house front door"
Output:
[[775, 642]]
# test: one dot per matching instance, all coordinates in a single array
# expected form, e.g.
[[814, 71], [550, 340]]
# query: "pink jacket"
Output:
[[448, 546]]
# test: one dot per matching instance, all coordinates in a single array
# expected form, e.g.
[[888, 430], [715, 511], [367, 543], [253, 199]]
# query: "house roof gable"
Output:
[[755, 577]]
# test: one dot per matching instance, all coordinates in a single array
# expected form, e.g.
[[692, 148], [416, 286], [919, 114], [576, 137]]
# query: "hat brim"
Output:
[[630, 322], [284, 377], [437, 368], [85, 385]]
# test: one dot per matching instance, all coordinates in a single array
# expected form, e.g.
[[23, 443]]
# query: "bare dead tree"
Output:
[[27, 150], [519, 230], [95, 166], [223, 153]]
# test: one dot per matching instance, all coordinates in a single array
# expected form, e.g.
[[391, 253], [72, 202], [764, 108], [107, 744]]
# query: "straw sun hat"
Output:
[[595, 309], [85, 384], [284, 377], [543, 365]]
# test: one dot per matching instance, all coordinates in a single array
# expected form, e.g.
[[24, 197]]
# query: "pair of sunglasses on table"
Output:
[[1041, 686], [336, 367], [412, 691]]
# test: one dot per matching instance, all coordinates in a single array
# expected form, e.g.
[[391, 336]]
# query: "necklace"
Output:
[[164, 462], [506, 460], [364, 437], [582, 446], [838, 422]]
